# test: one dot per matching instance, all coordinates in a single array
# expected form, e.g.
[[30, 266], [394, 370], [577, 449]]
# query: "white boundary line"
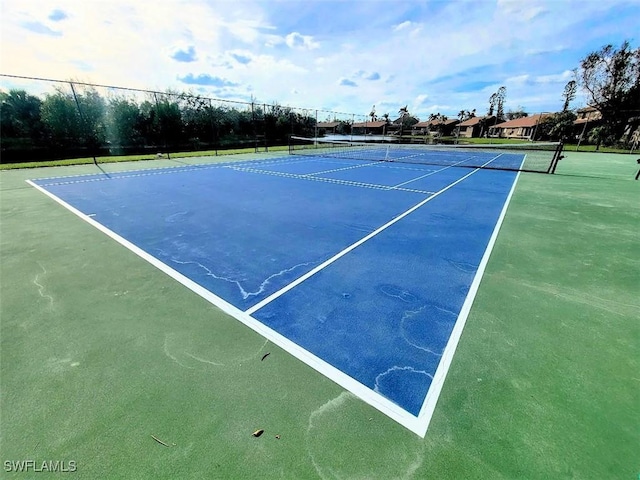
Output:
[[142, 172], [365, 393], [430, 401], [417, 425]]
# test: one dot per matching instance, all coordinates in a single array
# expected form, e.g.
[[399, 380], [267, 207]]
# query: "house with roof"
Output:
[[402, 124], [523, 128], [435, 127], [327, 127], [377, 127], [587, 114], [587, 118], [475, 126]]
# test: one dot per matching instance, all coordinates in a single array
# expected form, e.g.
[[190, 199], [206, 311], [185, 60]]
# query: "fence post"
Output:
[[164, 139], [82, 119]]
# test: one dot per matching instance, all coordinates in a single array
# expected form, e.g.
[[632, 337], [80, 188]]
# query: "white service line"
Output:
[[426, 175], [328, 262], [363, 392], [417, 424], [430, 401], [350, 167]]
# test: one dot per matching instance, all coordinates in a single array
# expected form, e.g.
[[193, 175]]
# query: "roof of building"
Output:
[[328, 124], [594, 120], [587, 109], [374, 124], [434, 123], [530, 121], [473, 121]]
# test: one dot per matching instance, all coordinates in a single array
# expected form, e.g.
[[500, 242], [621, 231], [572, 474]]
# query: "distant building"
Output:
[[476, 126], [402, 124], [377, 127], [588, 117], [587, 114], [435, 127], [327, 127], [523, 128]]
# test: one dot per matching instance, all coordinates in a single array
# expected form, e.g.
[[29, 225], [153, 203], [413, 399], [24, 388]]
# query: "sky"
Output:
[[346, 56]]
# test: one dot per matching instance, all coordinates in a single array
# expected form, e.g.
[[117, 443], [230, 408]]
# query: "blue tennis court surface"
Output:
[[364, 270]]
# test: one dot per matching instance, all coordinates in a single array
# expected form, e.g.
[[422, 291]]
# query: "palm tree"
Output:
[[404, 113], [493, 99], [438, 120], [386, 123], [462, 116]]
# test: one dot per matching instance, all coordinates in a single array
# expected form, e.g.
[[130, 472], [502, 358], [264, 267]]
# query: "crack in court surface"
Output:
[[41, 288], [328, 436], [408, 315], [243, 292], [177, 355], [393, 370]]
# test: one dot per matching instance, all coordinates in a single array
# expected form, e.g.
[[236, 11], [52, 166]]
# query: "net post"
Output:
[[557, 156]]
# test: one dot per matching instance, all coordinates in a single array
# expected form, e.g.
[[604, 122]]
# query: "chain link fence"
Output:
[[44, 119]]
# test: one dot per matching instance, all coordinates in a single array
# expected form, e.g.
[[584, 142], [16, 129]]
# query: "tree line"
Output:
[[83, 122], [610, 77], [80, 121]]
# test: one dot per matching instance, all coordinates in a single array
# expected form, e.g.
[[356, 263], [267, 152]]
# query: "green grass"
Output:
[[99, 351], [491, 140], [131, 158], [210, 153], [550, 353]]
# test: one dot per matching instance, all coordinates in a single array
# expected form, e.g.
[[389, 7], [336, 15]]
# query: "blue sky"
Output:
[[433, 56]]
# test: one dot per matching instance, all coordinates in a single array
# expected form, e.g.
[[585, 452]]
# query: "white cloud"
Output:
[[555, 78], [402, 26], [435, 108], [421, 99], [246, 30], [297, 40], [271, 51], [521, 10], [518, 79], [273, 41]]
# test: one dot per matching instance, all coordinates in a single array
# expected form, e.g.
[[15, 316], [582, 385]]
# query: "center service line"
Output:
[[328, 262]]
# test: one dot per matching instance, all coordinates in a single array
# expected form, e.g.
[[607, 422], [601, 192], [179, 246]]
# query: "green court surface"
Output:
[[101, 352]]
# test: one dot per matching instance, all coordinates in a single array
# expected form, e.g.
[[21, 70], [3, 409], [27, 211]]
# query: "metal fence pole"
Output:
[[82, 119]]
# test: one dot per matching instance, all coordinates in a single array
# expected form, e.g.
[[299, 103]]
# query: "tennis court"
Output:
[[361, 270], [364, 271]]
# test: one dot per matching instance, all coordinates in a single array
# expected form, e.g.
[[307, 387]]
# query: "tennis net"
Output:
[[528, 157]]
